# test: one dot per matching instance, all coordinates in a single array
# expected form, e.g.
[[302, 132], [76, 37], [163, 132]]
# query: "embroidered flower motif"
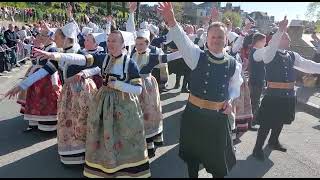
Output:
[[68, 123]]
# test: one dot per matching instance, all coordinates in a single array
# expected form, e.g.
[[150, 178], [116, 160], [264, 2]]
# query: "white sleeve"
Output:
[[190, 52], [91, 72], [55, 78], [30, 80], [266, 54], [128, 88], [305, 65], [273, 46], [236, 47], [108, 27], [173, 56], [130, 23], [235, 82], [71, 58]]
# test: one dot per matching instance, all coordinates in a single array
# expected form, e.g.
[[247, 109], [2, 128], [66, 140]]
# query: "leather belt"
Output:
[[280, 85], [205, 104]]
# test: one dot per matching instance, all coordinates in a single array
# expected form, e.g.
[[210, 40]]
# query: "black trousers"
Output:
[[255, 95], [4, 62], [13, 55], [262, 136], [193, 170], [186, 80]]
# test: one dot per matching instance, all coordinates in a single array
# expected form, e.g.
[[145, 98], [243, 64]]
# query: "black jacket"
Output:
[[10, 37]]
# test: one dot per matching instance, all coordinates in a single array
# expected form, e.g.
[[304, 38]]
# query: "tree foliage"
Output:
[[234, 17], [178, 10], [313, 10]]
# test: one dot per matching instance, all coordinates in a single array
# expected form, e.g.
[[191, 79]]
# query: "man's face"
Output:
[[216, 39], [10, 27], [89, 42]]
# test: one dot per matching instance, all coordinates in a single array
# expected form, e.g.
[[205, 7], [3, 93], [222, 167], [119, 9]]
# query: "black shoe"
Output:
[[258, 154], [151, 153], [184, 90], [277, 147]]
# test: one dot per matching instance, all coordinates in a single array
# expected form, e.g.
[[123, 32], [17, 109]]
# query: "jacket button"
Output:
[[206, 82], [205, 92]]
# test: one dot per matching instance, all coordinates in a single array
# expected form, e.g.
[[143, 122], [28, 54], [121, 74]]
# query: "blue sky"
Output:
[[277, 9]]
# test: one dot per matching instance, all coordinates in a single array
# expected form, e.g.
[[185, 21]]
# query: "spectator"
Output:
[[4, 56], [11, 38]]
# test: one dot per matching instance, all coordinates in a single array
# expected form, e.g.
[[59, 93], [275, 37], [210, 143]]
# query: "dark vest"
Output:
[[280, 69], [257, 71], [210, 79]]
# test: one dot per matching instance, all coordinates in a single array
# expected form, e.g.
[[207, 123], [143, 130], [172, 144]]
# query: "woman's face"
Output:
[[59, 39], [115, 43], [89, 42], [141, 45]]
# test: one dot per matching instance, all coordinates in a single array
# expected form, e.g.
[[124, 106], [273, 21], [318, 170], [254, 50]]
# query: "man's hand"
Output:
[[283, 25], [132, 7], [227, 107], [166, 10], [214, 14], [13, 92], [69, 10], [247, 27]]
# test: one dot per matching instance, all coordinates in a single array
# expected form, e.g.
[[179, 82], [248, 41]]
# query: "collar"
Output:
[[282, 51], [219, 56], [92, 50], [47, 45], [142, 52], [66, 49], [117, 56]]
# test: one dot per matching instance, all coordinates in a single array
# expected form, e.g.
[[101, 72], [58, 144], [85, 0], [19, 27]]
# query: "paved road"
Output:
[[35, 154]]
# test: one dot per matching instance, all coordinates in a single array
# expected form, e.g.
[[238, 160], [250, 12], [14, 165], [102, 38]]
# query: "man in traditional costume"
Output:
[[205, 134], [278, 104]]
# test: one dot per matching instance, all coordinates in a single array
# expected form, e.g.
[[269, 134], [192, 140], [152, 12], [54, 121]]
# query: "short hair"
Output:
[[118, 32], [217, 25], [257, 37]]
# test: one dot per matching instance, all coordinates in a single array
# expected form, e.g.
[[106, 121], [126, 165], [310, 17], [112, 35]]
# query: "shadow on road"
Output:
[[12, 137], [252, 168], [42, 164], [168, 95], [173, 106]]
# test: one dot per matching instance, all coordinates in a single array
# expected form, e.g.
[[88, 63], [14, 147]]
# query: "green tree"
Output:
[[313, 10], [109, 7], [234, 17], [178, 10]]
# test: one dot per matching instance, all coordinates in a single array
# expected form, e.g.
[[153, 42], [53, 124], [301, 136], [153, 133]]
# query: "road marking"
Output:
[[25, 152]]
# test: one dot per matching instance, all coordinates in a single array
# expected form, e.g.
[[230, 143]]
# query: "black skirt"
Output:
[[206, 139], [276, 111]]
